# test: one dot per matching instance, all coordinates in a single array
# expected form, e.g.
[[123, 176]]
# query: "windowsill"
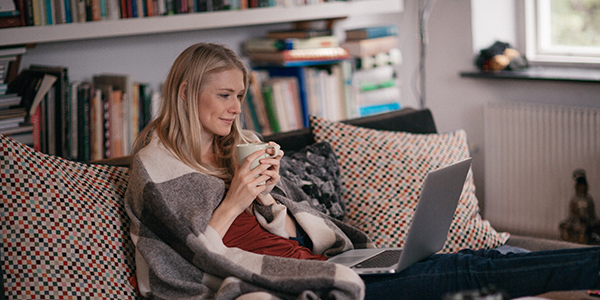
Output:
[[540, 73]]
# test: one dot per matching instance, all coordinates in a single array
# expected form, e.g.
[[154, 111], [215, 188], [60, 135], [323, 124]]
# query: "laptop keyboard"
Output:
[[384, 259]]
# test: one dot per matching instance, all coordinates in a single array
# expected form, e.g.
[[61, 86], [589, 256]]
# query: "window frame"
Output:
[[530, 20]]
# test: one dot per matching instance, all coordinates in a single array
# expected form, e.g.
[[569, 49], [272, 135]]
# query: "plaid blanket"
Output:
[[179, 256]]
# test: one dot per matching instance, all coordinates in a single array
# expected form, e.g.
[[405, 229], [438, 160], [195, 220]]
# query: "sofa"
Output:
[[65, 232]]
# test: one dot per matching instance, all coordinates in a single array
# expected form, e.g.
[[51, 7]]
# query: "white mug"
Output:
[[244, 150]]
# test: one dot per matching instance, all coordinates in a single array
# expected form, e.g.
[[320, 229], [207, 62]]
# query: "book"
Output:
[[299, 74], [258, 101], [122, 110], [43, 89], [12, 13], [368, 47], [298, 33], [267, 91], [8, 100], [84, 96], [96, 126], [379, 96], [74, 119], [275, 45], [60, 108], [372, 32], [301, 55], [378, 108]]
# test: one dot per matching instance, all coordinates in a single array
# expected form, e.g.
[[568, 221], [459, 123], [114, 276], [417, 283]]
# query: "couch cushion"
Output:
[[315, 170], [64, 227], [382, 173]]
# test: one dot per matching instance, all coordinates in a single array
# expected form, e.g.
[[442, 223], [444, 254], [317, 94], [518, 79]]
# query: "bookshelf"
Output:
[[194, 21]]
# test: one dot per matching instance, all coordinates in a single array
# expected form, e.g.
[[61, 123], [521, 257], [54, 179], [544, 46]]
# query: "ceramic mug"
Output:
[[244, 150]]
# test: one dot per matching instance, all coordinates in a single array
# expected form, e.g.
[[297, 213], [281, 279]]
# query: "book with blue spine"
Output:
[[372, 32], [377, 109]]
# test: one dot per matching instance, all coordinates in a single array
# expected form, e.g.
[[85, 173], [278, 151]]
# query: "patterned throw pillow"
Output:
[[382, 173], [64, 227], [315, 170]]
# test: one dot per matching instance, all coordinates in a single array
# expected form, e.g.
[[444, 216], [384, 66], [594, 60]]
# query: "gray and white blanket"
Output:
[[179, 256]]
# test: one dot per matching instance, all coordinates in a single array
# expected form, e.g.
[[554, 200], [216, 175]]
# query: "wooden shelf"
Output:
[[194, 21]]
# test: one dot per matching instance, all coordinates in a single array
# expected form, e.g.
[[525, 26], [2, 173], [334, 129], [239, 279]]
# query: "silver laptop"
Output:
[[429, 228]]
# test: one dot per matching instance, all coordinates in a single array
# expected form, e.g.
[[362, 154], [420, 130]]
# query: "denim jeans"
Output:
[[515, 274]]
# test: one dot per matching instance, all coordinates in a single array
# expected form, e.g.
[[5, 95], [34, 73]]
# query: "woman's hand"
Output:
[[243, 190], [272, 171]]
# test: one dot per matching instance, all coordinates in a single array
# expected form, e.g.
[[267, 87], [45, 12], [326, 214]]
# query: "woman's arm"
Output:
[[290, 224], [243, 190]]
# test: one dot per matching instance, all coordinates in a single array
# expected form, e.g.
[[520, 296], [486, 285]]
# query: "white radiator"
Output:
[[530, 154]]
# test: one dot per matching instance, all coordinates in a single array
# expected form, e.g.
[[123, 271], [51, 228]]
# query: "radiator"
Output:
[[531, 151]]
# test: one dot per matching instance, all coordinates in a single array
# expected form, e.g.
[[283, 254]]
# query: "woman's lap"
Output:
[[517, 274]]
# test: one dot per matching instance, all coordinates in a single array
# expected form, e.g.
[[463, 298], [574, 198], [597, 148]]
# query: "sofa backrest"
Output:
[[407, 119]]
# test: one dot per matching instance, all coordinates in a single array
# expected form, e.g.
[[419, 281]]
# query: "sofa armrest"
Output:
[[540, 244]]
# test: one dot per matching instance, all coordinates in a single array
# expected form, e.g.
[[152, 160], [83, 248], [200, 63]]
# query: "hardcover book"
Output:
[[286, 56], [298, 33], [368, 47], [372, 32]]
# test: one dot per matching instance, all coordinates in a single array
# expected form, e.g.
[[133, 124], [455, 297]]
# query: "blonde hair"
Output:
[[178, 126]]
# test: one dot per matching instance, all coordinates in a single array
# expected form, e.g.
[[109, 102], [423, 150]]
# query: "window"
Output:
[[563, 30]]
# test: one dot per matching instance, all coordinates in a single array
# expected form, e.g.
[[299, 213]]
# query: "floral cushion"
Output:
[[382, 173], [64, 227]]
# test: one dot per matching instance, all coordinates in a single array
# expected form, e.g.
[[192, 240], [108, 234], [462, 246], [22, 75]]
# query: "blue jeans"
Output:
[[516, 274]]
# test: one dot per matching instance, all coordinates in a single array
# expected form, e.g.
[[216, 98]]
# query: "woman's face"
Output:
[[220, 101]]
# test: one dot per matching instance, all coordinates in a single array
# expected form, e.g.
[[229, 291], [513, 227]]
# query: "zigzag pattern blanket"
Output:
[[179, 256]]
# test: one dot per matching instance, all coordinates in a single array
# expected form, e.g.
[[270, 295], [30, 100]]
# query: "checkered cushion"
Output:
[[64, 227], [382, 173]]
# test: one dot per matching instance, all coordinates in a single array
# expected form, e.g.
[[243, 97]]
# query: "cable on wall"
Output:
[[425, 7]]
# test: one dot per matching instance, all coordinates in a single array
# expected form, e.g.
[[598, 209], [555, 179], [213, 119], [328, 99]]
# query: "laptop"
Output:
[[428, 231]]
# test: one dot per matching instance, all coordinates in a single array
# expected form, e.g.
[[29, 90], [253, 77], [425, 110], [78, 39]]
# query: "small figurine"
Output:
[[582, 225]]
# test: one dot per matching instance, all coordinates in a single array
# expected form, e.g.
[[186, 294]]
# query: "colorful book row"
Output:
[[48, 12], [82, 121]]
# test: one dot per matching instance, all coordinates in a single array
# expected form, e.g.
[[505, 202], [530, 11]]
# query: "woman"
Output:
[[204, 227]]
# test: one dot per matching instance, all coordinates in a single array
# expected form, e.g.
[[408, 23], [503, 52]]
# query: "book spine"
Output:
[[133, 8], [75, 113], [106, 126], [49, 12], [36, 122], [145, 105], [116, 132], [59, 11], [102, 7], [68, 13], [37, 21], [259, 102], [84, 148], [270, 108], [27, 17], [376, 109], [372, 32], [96, 126], [310, 43], [368, 47]]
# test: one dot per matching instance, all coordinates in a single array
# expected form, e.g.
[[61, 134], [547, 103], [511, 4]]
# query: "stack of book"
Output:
[[374, 78], [295, 48], [81, 120], [12, 117]]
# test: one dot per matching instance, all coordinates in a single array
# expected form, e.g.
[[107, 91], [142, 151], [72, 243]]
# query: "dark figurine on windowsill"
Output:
[[582, 225]]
